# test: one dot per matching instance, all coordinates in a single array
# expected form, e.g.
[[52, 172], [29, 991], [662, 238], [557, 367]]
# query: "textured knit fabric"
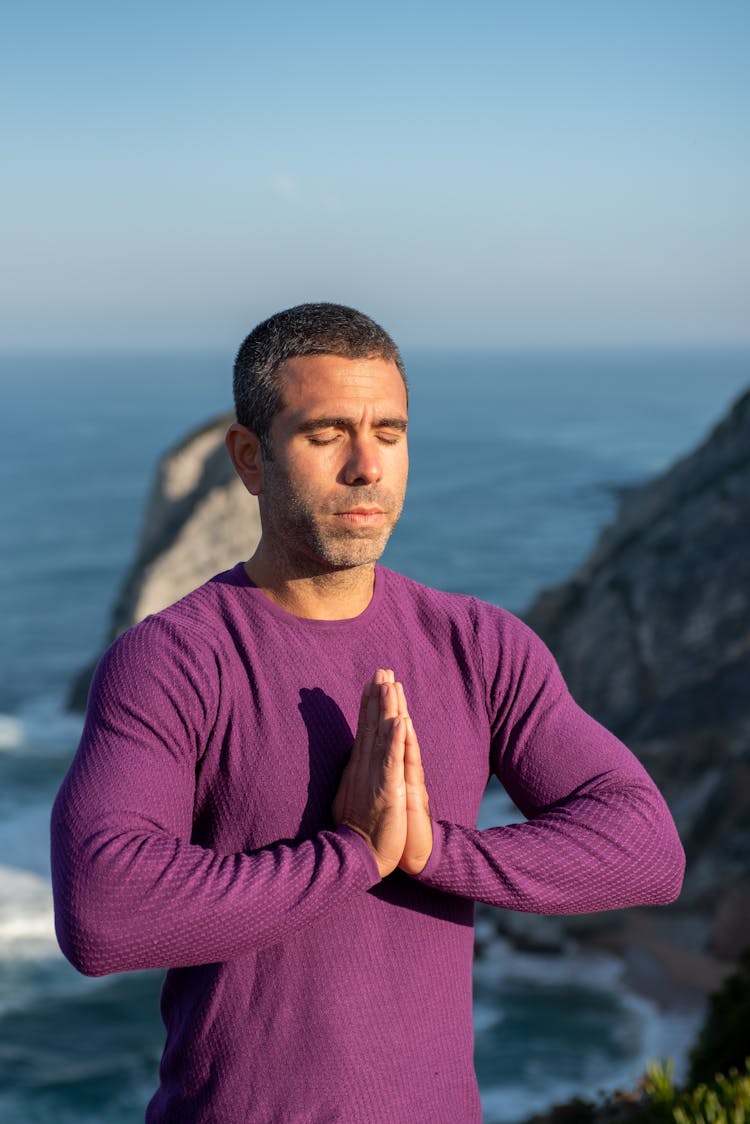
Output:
[[193, 832]]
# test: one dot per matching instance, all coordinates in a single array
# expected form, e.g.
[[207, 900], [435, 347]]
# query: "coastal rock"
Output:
[[652, 634], [730, 931], [199, 520]]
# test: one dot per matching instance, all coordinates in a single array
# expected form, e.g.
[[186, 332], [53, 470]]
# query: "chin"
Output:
[[350, 555]]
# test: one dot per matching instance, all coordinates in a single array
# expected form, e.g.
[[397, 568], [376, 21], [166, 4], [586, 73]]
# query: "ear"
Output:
[[247, 456]]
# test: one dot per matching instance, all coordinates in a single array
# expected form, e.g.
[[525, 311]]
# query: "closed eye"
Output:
[[323, 440], [383, 438]]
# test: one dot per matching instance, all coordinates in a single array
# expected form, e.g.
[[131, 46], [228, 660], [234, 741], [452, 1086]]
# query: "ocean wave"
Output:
[[26, 916], [33, 971], [43, 725], [12, 733], [24, 841], [501, 962], [637, 1029]]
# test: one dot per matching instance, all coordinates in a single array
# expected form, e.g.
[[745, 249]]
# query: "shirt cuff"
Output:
[[355, 840], [436, 854]]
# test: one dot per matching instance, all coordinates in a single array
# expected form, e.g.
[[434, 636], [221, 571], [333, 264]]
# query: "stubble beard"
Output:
[[312, 543]]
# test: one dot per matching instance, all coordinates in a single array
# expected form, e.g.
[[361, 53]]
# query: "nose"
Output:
[[364, 464]]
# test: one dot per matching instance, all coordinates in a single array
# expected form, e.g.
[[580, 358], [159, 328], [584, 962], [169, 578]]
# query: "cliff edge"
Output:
[[652, 634], [199, 520]]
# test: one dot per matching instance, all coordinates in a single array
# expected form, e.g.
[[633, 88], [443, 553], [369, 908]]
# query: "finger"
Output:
[[372, 711], [377, 743], [366, 735], [413, 769], [393, 754], [403, 710], [382, 749], [388, 705]]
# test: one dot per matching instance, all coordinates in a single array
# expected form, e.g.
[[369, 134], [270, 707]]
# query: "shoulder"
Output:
[[409, 592], [206, 609], [188, 633], [459, 608], [503, 644]]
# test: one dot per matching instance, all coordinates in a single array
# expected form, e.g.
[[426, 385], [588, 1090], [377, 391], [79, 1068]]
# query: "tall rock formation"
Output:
[[652, 634], [199, 520]]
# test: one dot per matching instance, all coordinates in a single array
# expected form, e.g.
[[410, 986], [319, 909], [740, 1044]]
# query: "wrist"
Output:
[[384, 866]]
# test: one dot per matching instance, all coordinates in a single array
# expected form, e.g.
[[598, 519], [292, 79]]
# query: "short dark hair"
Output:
[[306, 329]]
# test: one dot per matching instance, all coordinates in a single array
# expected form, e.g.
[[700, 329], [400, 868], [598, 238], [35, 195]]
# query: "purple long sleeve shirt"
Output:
[[193, 832]]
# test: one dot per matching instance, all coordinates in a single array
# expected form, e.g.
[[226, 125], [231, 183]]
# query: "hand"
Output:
[[371, 797], [418, 846]]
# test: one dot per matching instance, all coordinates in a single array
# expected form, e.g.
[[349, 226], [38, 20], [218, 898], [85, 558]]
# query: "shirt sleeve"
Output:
[[598, 834], [130, 889]]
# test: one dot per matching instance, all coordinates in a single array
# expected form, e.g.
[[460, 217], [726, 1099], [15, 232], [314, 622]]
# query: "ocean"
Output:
[[517, 461]]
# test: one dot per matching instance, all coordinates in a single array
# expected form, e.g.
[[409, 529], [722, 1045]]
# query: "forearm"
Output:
[[130, 898], [130, 888], [598, 834], [610, 845]]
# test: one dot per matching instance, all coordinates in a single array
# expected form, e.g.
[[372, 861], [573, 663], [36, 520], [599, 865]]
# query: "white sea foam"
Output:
[[646, 1031], [26, 917], [32, 968], [42, 724], [49, 725], [501, 961], [12, 732]]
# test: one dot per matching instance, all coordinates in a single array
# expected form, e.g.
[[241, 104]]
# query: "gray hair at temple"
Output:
[[307, 329]]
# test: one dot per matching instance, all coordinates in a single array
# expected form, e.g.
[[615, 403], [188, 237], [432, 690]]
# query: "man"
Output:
[[276, 790]]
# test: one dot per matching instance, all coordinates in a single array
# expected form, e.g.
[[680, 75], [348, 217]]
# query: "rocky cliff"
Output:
[[199, 520], [653, 636]]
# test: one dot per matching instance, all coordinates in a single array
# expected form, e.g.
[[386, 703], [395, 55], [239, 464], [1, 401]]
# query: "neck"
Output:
[[330, 596]]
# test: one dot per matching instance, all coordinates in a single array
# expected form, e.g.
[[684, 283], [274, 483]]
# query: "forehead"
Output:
[[315, 383]]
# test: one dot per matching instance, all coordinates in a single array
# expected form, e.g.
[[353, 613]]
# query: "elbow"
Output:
[[673, 873], [653, 851], [88, 927], [81, 901], [96, 915], [83, 944], [81, 958], [662, 870]]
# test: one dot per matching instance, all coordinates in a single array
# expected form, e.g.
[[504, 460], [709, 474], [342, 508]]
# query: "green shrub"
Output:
[[725, 1100], [718, 1088]]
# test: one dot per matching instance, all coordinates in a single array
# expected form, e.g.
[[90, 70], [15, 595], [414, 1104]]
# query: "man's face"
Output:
[[334, 486]]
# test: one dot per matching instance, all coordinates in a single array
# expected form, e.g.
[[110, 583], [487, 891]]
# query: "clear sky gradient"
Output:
[[487, 174]]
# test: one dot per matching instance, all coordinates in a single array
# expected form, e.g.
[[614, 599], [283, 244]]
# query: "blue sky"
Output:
[[484, 174]]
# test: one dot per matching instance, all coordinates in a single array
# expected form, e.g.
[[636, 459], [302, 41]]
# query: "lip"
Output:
[[361, 515]]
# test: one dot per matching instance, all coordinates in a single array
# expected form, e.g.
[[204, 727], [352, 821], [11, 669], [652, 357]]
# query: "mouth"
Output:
[[361, 516]]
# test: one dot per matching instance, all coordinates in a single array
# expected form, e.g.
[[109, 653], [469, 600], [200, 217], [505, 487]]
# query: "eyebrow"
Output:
[[313, 424]]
